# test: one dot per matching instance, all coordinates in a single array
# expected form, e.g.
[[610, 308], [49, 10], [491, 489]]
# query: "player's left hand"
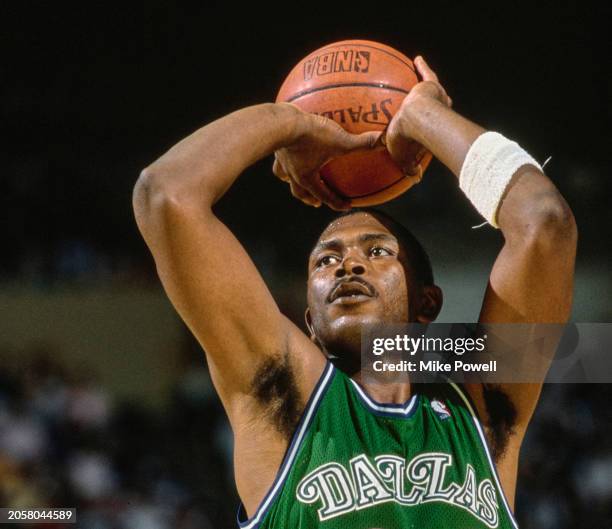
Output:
[[399, 138]]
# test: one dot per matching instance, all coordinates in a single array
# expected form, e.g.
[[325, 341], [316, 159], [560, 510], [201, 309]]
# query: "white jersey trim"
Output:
[[294, 446], [484, 442], [402, 410]]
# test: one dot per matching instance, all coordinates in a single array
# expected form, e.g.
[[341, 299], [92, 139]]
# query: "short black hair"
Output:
[[418, 259]]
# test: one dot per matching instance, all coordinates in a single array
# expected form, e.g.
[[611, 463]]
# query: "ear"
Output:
[[431, 304], [308, 320]]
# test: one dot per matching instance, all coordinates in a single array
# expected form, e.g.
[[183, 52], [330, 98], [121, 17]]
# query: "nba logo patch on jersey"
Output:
[[440, 409]]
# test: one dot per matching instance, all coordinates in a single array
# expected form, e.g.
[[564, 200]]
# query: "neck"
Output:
[[387, 392], [382, 388]]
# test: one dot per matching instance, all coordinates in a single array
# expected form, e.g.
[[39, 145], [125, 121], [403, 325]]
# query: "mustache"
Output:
[[351, 279]]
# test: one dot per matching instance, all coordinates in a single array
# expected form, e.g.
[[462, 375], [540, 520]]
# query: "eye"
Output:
[[379, 251], [327, 260]]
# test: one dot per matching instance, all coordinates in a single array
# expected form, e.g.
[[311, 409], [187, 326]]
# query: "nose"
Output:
[[350, 266]]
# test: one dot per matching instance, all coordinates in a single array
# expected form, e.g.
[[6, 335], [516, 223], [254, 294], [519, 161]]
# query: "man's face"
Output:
[[355, 278]]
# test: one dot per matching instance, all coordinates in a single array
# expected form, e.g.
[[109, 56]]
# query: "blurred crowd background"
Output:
[[105, 400]]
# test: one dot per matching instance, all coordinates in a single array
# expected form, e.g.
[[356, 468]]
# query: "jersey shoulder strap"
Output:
[[308, 415]]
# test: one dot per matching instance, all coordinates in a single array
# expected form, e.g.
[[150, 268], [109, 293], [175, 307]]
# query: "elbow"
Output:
[[142, 189], [157, 188], [159, 199], [147, 191], [552, 224], [154, 196]]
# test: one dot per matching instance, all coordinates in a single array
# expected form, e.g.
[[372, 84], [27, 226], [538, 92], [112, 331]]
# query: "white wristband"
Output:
[[487, 170]]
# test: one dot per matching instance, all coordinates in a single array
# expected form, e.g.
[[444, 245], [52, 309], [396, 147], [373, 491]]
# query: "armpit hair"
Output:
[[274, 386], [502, 418]]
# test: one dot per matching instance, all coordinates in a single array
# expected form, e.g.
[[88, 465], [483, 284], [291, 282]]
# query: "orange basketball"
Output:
[[360, 84]]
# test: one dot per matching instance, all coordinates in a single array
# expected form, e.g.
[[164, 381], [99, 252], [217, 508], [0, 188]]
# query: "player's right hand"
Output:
[[399, 137], [317, 140]]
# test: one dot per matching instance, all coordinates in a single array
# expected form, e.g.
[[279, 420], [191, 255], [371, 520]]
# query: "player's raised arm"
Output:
[[532, 278], [205, 271]]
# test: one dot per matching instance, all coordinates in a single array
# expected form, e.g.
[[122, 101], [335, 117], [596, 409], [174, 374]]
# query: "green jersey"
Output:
[[354, 463]]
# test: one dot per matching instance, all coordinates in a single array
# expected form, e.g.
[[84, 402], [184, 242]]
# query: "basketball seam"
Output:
[[341, 85], [367, 46], [383, 188], [377, 191]]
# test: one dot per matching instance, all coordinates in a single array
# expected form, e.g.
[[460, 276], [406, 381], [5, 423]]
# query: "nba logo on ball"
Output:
[[440, 409]]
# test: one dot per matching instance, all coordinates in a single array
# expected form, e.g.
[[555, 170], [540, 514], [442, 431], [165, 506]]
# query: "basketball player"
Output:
[[316, 445]]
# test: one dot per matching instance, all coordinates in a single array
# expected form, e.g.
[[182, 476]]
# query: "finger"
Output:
[[382, 140], [317, 187], [365, 140], [296, 190], [425, 70], [406, 153], [302, 194], [279, 171], [413, 159], [427, 74]]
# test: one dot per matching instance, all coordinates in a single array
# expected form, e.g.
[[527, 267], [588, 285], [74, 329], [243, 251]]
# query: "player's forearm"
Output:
[[531, 204], [446, 134], [204, 165]]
